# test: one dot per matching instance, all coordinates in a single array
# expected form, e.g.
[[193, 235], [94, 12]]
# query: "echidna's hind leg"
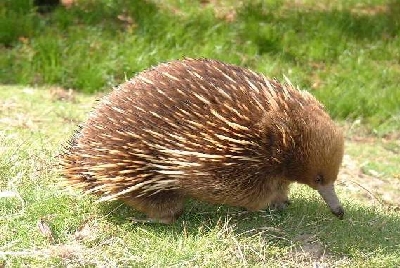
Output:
[[164, 207]]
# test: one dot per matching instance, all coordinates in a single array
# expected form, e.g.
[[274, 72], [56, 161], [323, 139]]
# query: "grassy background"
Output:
[[346, 52], [44, 225]]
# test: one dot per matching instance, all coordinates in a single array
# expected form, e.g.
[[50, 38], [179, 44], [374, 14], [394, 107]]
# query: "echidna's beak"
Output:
[[329, 195]]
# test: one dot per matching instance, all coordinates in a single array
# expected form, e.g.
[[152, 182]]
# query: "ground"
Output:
[[43, 224]]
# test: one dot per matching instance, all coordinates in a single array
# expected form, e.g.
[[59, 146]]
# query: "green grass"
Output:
[[344, 52], [35, 122]]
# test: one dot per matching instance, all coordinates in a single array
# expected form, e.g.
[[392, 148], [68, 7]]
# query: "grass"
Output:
[[345, 52], [45, 225]]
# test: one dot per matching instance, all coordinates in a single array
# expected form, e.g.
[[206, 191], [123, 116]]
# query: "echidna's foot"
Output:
[[164, 207], [280, 199], [279, 205], [279, 202], [166, 217]]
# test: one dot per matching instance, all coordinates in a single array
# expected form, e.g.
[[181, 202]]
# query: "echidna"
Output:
[[207, 130]]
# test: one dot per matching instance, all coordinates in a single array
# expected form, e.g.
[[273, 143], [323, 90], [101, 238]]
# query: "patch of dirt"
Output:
[[223, 10], [68, 3], [310, 246], [305, 5], [360, 9], [310, 252], [369, 10], [371, 189], [62, 94]]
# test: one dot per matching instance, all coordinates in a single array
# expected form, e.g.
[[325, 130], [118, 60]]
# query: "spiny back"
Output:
[[184, 120]]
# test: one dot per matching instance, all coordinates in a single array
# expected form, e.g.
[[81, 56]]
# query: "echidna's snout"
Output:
[[339, 212], [329, 195]]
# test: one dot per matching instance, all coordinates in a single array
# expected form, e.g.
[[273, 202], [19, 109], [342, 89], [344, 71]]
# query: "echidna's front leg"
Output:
[[273, 195], [280, 200], [164, 207]]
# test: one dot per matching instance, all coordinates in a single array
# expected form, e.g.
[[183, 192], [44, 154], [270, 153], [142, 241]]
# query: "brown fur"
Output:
[[206, 130]]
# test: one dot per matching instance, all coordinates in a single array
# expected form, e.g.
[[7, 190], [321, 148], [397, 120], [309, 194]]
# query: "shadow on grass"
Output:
[[95, 42], [265, 24], [363, 229], [275, 31]]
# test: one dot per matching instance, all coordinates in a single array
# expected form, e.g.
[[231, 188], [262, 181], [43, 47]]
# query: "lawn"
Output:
[[54, 66], [44, 224], [346, 52]]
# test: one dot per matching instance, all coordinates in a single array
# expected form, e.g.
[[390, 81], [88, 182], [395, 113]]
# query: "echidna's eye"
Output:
[[319, 179]]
